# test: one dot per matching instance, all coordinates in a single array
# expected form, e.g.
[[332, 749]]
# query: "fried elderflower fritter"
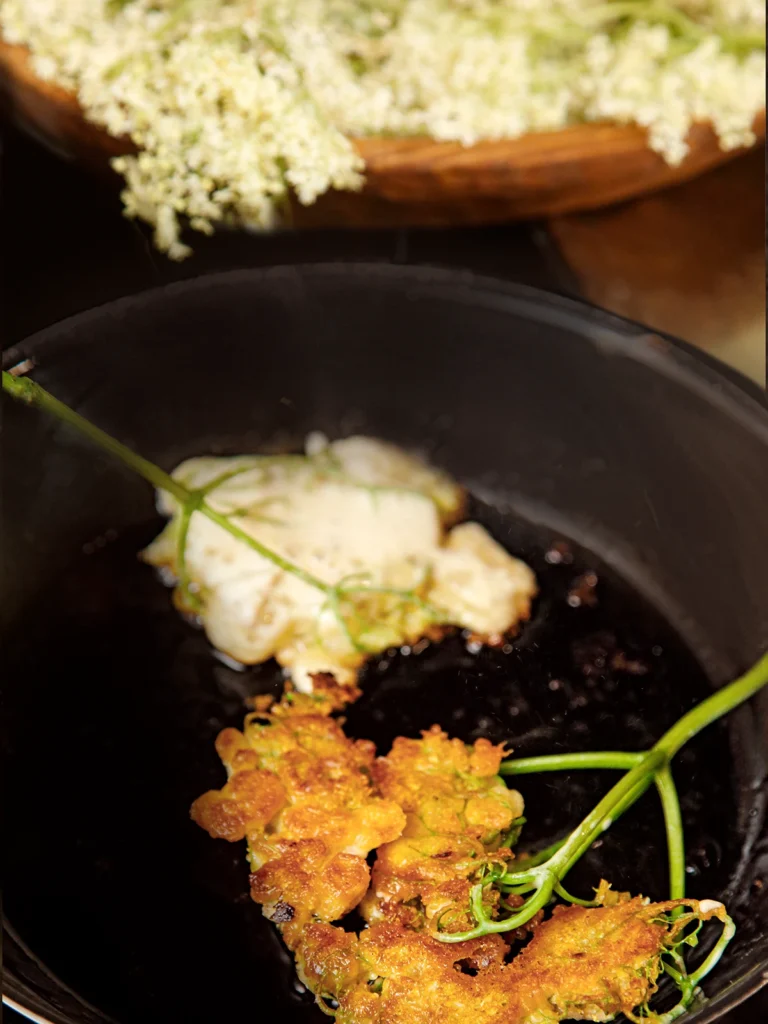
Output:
[[459, 815], [300, 792], [313, 803], [582, 964]]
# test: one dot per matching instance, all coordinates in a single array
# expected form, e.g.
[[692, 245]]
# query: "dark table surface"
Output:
[[66, 248]]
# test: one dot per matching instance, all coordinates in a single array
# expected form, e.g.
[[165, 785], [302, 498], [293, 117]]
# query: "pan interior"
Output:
[[564, 414], [111, 739]]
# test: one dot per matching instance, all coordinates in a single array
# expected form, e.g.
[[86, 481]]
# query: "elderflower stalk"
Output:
[[622, 761], [29, 391], [344, 591], [191, 501], [545, 879]]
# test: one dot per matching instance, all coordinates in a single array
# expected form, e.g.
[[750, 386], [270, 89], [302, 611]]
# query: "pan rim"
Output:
[[25, 1011], [728, 388]]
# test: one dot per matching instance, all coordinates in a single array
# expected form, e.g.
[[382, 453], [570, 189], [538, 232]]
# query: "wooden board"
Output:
[[418, 181], [689, 261]]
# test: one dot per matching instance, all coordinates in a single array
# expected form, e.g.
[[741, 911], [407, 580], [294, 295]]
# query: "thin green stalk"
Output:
[[549, 875], [729, 930], [30, 392], [602, 816], [689, 983], [191, 501], [515, 890], [714, 707], [673, 823], [565, 895], [567, 762], [618, 760], [534, 859]]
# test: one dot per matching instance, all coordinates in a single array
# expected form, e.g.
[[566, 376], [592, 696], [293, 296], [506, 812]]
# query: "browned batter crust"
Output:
[[313, 803]]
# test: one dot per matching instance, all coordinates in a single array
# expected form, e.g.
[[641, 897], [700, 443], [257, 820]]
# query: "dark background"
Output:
[[66, 247]]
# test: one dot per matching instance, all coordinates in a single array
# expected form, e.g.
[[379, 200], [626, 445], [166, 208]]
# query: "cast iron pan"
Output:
[[565, 423]]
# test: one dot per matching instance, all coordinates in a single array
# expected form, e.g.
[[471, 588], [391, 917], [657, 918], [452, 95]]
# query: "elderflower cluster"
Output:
[[234, 104]]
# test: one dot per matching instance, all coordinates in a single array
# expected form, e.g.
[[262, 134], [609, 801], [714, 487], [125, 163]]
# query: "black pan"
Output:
[[565, 423]]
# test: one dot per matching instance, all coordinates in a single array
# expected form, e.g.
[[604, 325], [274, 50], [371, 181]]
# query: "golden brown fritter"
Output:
[[445, 786], [582, 964], [300, 792], [458, 813], [313, 803]]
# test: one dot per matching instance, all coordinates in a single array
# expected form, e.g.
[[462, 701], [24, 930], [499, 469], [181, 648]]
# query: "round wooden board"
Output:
[[419, 182]]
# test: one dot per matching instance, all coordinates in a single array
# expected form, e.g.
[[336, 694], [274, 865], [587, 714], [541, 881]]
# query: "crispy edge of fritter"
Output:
[[582, 963], [459, 812], [310, 818]]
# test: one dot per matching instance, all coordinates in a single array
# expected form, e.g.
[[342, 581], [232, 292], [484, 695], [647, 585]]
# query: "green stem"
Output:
[[708, 711], [628, 789], [487, 927], [534, 859], [621, 796], [729, 930], [673, 823], [567, 762], [688, 983], [548, 875], [261, 549], [714, 707], [619, 760], [191, 501], [565, 895], [27, 390]]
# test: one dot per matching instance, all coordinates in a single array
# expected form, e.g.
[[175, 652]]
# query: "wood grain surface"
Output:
[[416, 182], [690, 261]]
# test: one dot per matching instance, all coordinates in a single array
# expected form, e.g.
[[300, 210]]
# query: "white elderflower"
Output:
[[235, 103]]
